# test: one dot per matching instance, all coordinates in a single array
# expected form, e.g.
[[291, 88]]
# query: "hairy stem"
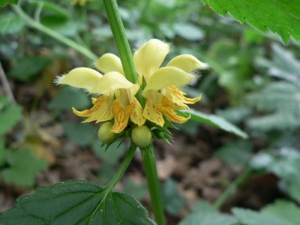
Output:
[[153, 184]]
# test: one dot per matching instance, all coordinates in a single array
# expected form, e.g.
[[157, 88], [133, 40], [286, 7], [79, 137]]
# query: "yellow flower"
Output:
[[80, 2], [163, 97], [117, 99]]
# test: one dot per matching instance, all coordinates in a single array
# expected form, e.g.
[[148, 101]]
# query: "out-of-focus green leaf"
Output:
[[82, 134], [280, 98], [188, 31], [204, 214], [3, 152], [10, 115], [28, 67], [105, 173], [236, 152], [76, 202], [10, 23], [280, 16], [215, 121], [24, 165], [4, 2], [284, 163], [112, 154], [235, 115], [173, 201], [70, 97], [283, 209], [250, 217], [138, 191], [50, 8]]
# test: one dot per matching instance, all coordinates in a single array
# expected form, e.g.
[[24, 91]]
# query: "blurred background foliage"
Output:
[[253, 82]]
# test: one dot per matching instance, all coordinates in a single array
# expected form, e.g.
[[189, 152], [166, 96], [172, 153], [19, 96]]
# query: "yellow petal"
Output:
[[149, 57], [109, 63], [137, 113], [121, 116], [81, 78], [153, 113], [111, 82], [177, 96], [165, 77], [101, 110], [187, 63]]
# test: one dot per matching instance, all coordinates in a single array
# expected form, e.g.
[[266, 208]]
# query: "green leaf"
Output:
[[10, 115], [236, 152], [80, 133], [112, 155], [26, 68], [251, 217], [205, 214], [215, 121], [2, 152], [173, 201], [10, 23], [70, 97], [76, 202], [279, 16], [4, 2], [188, 31], [283, 209], [138, 191], [24, 165]]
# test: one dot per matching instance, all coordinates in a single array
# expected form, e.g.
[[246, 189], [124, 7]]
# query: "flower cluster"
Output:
[[117, 102]]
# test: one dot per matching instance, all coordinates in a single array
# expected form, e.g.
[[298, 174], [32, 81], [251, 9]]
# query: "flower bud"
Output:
[[141, 136], [104, 133]]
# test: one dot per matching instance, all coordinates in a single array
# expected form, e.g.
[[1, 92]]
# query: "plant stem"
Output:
[[37, 25], [229, 190], [119, 34], [122, 168], [153, 184]]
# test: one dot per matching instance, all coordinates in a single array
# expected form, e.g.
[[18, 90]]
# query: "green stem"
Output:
[[122, 168], [37, 25], [230, 189], [119, 34], [153, 184]]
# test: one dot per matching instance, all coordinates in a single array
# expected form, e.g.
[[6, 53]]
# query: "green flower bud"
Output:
[[141, 136], [104, 133]]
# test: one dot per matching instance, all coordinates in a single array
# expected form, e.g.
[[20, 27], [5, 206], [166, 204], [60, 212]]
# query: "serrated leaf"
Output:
[[173, 201], [70, 97], [10, 23], [251, 217], [80, 133], [4, 2], [9, 115], [215, 121], [24, 165], [283, 209], [205, 214], [279, 16], [76, 202]]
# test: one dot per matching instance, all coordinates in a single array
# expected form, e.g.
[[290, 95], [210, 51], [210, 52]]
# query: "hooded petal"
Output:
[[111, 82], [187, 63], [80, 78], [149, 57], [168, 110], [109, 63], [165, 77]]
